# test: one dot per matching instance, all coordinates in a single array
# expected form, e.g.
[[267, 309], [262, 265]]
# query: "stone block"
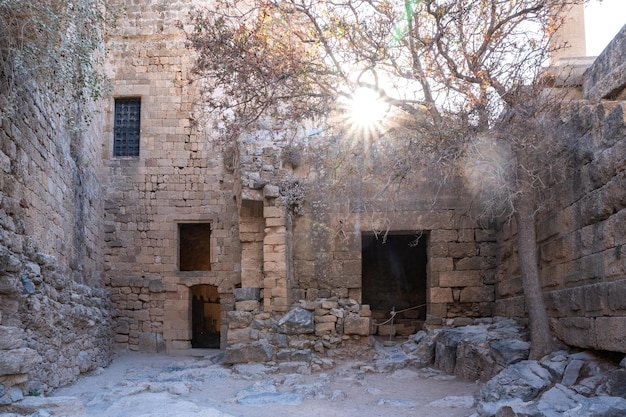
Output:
[[271, 211], [326, 304], [357, 325], [611, 333], [365, 311], [326, 319], [11, 338], [275, 221], [443, 236], [248, 305], [477, 294], [271, 191], [18, 361], [475, 263], [462, 250], [297, 321], [324, 327], [236, 336], [578, 331], [246, 294], [441, 264], [279, 292], [509, 287], [460, 279], [156, 286], [150, 342], [259, 351], [440, 295], [121, 338], [239, 319]]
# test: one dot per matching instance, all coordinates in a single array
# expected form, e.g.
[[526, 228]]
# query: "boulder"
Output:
[[615, 384], [507, 352], [260, 351], [602, 406], [297, 321], [557, 400], [522, 381]]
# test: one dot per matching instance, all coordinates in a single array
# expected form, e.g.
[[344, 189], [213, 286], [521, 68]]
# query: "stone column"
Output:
[[275, 253], [572, 35]]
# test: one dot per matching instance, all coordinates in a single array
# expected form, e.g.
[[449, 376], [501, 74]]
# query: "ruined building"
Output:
[[148, 234]]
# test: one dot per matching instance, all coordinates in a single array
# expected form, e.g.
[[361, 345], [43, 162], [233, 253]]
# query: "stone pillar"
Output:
[[251, 228], [275, 253], [572, 35]]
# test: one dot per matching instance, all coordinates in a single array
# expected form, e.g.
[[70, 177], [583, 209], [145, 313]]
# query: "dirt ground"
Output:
[[141, 385]]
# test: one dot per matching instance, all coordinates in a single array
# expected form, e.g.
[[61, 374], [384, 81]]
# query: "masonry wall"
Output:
[[54, 309], [581, 239], [312, 240], [179, 177], [365, 198]]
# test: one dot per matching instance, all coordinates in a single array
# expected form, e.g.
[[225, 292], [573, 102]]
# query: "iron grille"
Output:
[[126, 127]]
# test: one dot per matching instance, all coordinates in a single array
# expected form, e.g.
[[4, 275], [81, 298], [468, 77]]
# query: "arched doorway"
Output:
[[205, 317]]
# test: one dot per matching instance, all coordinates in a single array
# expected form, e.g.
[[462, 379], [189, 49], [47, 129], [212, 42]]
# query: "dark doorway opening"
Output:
[[205, 317], [394, 277]]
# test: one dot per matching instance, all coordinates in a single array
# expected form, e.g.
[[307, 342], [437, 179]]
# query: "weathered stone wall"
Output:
[[309, 327], [581, 240], [301, 234], [341, 207], [179, 177], [313, 225], [54, 309]]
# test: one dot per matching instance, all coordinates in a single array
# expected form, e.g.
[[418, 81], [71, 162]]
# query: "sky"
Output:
[[603, 19]]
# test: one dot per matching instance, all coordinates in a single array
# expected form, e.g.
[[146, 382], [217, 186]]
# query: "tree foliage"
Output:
[[53, 47], [294, 59]]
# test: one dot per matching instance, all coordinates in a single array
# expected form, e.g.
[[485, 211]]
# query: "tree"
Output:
[[459, 72], [52, 49]]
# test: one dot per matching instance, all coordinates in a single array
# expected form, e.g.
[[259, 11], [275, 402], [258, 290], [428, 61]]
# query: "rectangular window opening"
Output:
[[126, 127], [194, 247]]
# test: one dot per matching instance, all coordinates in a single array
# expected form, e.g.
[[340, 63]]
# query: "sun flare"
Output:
[[366, 108]]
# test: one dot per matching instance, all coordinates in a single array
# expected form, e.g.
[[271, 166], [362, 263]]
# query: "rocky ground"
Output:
[[436, 374], [159, 385]]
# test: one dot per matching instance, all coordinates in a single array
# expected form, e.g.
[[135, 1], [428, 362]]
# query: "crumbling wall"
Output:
[[54, 309], [363, 196], [581, 239]]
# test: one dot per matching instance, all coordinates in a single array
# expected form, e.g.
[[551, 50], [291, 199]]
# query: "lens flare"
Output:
[[367, 108]]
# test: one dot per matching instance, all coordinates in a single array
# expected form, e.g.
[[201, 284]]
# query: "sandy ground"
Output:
[[158, 385]]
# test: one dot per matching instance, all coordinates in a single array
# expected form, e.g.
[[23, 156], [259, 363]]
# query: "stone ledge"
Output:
[[606, 78]]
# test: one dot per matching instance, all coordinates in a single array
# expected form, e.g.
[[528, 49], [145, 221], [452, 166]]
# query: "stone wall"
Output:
[[179, 177], [311, 224], [581, 239], [309, 327], [360, 198], [54, 309]]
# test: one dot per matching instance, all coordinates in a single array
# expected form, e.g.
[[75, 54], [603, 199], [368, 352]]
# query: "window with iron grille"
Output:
[[126, 127]]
